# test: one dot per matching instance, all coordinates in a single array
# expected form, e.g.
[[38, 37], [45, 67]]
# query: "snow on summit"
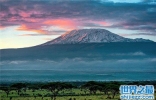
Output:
[[91, 36]]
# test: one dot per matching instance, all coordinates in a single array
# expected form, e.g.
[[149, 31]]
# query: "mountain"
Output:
[[88, 51], [91, 36]]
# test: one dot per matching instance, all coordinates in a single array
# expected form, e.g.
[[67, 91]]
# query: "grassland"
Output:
[[74, 94], [64, 91]]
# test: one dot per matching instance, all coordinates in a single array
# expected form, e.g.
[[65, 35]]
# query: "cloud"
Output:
[[129, 54], [152, 34], [47, 39], [71, 14], [2, 27], [63, 23], [53, 33], [147, 1], [28, 28]]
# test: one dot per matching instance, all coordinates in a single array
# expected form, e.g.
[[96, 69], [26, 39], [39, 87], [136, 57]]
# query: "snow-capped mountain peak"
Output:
[[91, 36]]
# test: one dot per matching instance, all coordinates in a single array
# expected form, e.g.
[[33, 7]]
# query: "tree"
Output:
[[56, 87], [106, 90], [112, 87], [18, 87], [92, 86], [114, 90], [103, 88], [93, 89]]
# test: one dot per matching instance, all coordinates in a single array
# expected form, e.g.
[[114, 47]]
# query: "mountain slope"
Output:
[[91, 36], [108, 51]]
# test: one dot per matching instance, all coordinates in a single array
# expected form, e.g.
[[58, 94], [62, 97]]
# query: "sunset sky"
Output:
[[25, 23]]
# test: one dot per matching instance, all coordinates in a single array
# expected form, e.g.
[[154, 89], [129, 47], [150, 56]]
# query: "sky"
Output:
[[25, 23]]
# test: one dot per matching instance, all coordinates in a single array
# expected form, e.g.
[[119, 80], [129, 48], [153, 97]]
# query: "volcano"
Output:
[[91, 36]]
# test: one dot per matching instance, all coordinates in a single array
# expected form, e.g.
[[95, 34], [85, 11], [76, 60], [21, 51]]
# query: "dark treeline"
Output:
[[111, 89]]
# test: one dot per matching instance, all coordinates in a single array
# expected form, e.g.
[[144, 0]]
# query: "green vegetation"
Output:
[[64, 90]]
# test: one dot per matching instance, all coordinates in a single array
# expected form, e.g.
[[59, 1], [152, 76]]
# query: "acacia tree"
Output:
[[102, 87], [111, 89], [93, 89], [114, 90], [56, 87], [18, 87], [92, 86]]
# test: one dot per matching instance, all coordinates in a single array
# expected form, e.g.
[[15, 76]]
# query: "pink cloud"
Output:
[[24, 14], [36, 25], [1, 27], [63, 23], [32, 29], [103, 23]]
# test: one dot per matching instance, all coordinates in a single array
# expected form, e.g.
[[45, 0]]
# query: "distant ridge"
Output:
[[91, 36]]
